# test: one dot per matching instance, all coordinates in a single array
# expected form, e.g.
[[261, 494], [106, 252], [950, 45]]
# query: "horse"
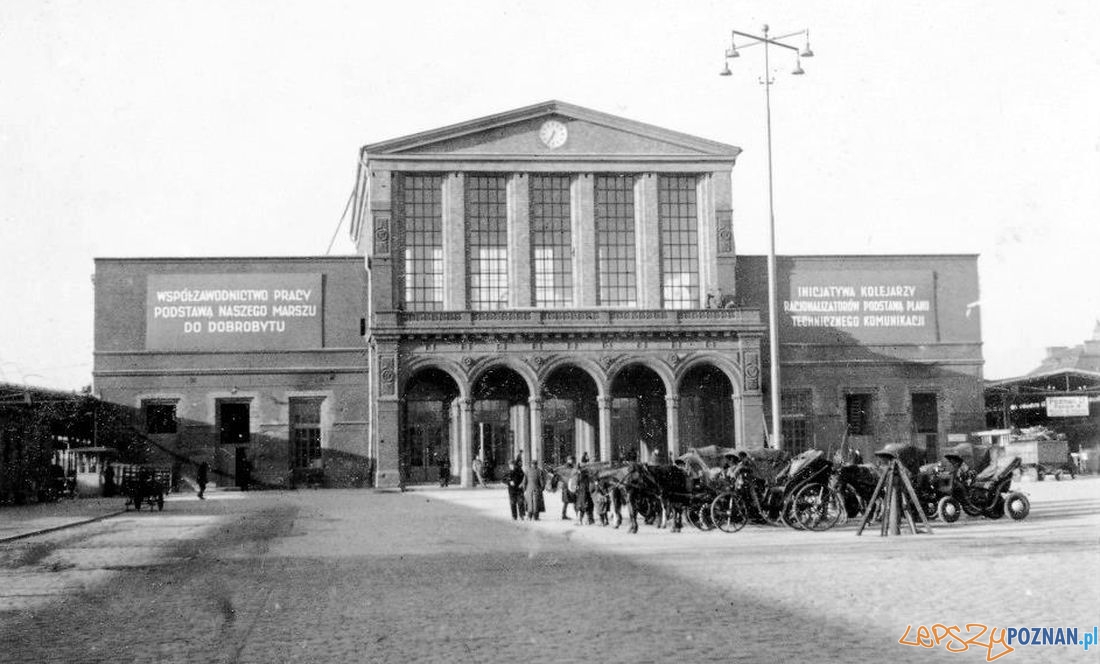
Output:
[[662, 491]]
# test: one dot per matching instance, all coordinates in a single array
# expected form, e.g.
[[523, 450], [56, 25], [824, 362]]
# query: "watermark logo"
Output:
[[995, 641]]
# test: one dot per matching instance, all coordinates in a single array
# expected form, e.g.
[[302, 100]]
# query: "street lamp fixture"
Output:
[[767, 81]]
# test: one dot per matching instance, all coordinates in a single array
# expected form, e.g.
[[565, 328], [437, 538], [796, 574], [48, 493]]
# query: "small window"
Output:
[[858, 412], [160, 418]]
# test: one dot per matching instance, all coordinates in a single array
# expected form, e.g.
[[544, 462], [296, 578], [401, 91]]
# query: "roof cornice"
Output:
[[396, 146]]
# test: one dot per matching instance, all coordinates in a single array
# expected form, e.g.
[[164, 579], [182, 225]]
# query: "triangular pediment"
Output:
[[524, 132]]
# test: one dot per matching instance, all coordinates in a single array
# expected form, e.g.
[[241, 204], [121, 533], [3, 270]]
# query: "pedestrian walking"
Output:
[[201, 478], [532, 491], [514, 480], [479, 478]]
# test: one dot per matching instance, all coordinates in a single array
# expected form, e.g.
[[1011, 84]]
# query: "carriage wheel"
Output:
[[816, 507], [1017, 506], [948, 509], [787, 515], [693, 517], [727, 513], [702, 514]]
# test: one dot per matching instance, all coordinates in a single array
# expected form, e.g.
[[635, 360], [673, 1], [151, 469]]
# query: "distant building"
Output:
[[545, 282], [1061, 394]]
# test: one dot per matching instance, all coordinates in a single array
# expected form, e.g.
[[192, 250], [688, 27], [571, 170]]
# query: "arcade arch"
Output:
[[431, 424], [706, 408], [570, 417]]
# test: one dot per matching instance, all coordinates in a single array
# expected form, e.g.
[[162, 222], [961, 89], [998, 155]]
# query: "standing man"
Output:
[[478, 467], [515, 491], [532, 490], [201, 477], [569, 485], [444, 471]]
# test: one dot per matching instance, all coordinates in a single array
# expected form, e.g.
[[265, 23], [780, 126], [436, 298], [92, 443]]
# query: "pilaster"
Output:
[[647, 240], [583, 210], [519, 241], [536, 429], [454, 242]]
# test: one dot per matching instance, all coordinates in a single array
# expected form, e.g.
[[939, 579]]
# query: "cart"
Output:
[[145, 485], [1046, 455]]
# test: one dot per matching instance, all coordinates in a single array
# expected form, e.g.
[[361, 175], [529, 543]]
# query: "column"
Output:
[[647, 240], [454, 242], [455, 434], [523, 434], [738, 422], [672, 424], [535, 404], [466, 478], [583, 210], [604, 405], [519, 241]]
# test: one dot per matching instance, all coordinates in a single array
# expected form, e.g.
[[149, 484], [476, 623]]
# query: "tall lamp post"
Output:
[[767, 81]]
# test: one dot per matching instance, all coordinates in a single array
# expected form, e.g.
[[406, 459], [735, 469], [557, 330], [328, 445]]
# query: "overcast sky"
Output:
[[221, 128]]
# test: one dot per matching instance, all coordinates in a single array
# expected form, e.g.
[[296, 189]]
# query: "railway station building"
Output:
[[547, 282]]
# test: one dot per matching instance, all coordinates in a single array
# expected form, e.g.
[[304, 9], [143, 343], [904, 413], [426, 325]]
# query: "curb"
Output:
[[61, 527]]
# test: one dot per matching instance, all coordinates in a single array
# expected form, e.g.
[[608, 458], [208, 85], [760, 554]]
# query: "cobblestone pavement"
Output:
[[445, 575]]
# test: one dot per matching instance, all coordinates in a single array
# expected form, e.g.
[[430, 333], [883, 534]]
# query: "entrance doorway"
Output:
[[926, 423], [638, 421], [426, 442]]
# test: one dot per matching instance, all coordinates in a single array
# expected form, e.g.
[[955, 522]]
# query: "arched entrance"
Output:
[[570, 418], [499, 415], [638, 421], [430, 421], [706, 408]]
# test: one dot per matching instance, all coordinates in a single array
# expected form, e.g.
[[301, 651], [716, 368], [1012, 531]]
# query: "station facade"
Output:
[[547, 282]]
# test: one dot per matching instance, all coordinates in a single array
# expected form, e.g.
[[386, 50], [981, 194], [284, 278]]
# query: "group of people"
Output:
[[526, 486]]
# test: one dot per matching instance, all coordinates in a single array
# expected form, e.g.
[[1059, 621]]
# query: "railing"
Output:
[[569, 318]]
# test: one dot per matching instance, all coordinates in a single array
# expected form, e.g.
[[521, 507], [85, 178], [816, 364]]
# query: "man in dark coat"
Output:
[[532, 490], [514, 479], [201, 478], [583, 498]]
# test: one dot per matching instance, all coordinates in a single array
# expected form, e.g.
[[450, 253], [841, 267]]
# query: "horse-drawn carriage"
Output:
[[804, 492], [145, 485]]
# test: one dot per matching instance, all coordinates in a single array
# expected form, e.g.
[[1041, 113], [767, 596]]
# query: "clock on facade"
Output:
[[553, 134]]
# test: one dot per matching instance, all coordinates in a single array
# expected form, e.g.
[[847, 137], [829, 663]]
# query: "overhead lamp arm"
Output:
[[771, 40]]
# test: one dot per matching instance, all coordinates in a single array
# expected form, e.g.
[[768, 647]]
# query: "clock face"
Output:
[[553, 134]]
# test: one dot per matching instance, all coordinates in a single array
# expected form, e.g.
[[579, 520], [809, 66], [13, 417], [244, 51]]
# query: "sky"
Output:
[[219, 128]]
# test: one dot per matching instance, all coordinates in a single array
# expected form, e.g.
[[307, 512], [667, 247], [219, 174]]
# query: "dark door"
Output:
[[233, 423], [926, 423], [242, 469]]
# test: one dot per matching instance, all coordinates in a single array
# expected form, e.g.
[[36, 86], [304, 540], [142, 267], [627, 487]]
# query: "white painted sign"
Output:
[[1067, 406]]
